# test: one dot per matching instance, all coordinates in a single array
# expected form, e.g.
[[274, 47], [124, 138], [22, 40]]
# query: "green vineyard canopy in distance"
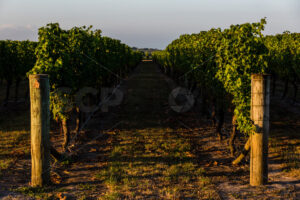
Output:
[[284, 56], [220, 63], [16, 59]]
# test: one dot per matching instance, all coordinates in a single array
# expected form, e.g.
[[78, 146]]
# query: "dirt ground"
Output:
[[142, 149]]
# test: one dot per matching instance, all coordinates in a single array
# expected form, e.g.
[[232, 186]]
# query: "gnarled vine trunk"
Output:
[[244, 152], [220, 123], [78, 119], [286, 87], [8, 85], [232, 136], [18, 80], [295, 90], [66, 132]]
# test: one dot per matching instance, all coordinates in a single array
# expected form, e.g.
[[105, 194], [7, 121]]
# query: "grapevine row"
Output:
[[17, 58], [78, 58], [73, 59], [219, 63]]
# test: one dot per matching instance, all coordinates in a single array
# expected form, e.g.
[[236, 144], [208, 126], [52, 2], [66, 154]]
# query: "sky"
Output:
[[144, 23]]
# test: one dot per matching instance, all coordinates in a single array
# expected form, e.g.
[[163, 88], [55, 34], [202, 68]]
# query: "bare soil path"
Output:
[[143, 149], [148, 154]]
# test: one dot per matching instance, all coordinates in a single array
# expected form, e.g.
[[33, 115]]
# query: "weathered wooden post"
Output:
[[260, 100], [40, 127]]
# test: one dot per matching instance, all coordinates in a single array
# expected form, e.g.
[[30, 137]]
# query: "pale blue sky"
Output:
[[145, 23]]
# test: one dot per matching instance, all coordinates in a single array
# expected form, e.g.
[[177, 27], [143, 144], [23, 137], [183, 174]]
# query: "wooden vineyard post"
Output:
[[40, 127], [260, 100]]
